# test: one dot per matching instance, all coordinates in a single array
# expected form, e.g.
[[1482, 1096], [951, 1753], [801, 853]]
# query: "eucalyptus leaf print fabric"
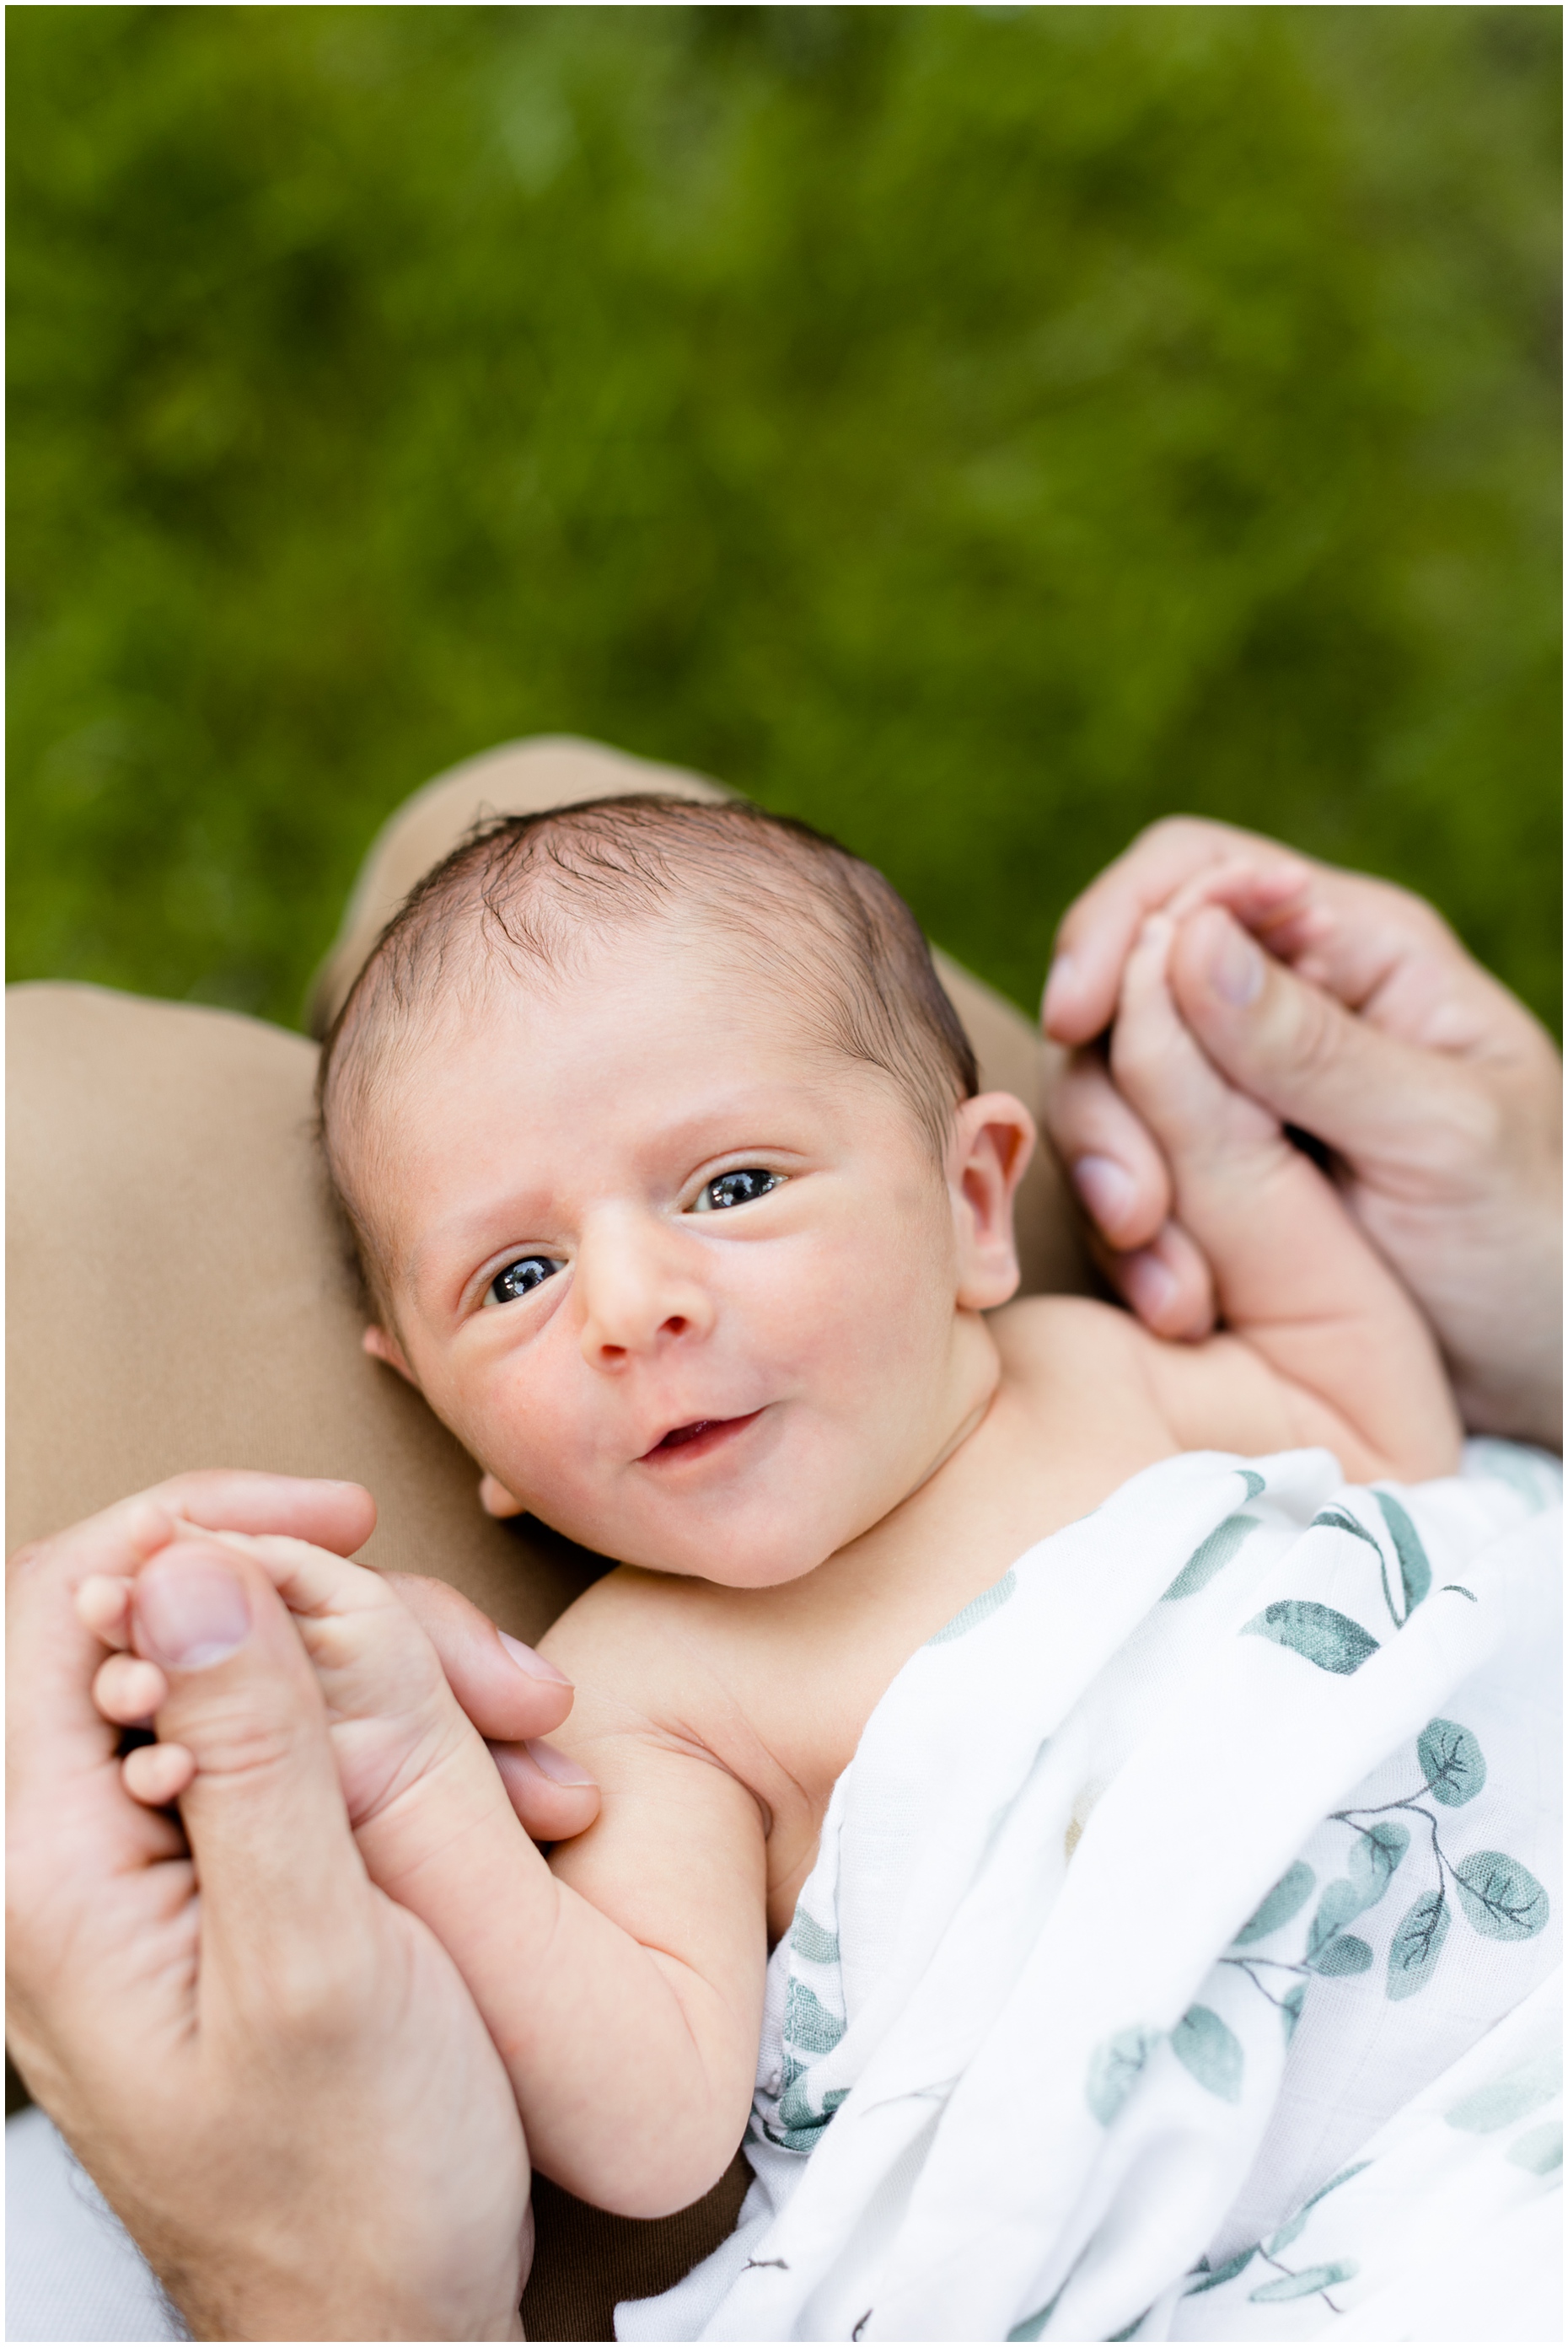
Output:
[[1180, 1938]]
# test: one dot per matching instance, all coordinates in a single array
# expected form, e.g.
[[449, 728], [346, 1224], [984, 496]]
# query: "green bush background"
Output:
[[977, 431]]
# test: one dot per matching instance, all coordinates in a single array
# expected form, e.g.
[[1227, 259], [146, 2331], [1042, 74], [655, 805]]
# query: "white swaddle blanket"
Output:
[[1177, 1961]]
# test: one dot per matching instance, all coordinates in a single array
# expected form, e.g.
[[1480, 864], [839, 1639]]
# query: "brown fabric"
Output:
[[178, 1300], [586, 2262]]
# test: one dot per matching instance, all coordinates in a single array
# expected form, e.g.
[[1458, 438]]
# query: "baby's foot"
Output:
[[410, 1759]]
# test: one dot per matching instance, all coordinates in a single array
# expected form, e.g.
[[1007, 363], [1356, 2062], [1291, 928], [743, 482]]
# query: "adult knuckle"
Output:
[[239, 1735], [314, 1993]]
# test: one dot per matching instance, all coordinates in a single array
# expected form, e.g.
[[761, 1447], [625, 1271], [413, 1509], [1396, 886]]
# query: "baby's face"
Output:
[[688, 1284]]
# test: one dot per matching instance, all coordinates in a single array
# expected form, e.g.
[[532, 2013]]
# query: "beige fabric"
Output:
[[524, 776], [177, 1297]]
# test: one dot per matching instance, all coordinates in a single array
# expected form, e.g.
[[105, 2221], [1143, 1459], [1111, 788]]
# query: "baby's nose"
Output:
[[637, 1295]]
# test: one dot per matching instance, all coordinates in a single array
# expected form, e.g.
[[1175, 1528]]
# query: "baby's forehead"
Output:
[[498, 1018]]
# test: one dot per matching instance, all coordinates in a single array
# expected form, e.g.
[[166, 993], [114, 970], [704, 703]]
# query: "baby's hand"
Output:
[[397, 1657]]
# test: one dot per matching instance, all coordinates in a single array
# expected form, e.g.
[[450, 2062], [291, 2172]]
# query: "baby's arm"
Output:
[[628, 2018], [1323, 1344]]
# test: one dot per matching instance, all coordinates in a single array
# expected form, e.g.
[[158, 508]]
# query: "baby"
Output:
[[676, 1199]]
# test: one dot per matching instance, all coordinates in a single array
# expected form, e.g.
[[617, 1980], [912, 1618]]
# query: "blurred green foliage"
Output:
[[977, 431]]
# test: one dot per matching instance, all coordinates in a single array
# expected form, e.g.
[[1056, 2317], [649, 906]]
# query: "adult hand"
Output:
[[284, 2087], [1366, 1025], [514, 1698]]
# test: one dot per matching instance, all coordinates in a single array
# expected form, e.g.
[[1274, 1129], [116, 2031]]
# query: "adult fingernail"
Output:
[[1106, 1188], [1149, 1285], [1236, 968], [526, 1660], [192, 1614], [556, 1765], [1060, 987]]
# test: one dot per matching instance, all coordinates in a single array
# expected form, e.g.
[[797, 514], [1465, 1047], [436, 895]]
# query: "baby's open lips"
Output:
[[698, 1436]]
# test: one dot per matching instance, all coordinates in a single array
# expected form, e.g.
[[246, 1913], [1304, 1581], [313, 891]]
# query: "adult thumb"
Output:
[[280, 1878], [1316, 1064]]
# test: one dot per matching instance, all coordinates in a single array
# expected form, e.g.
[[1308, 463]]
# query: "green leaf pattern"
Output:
[[979, 1609], [1320, 1633], [1288, 1898], [1211, 1556], [1115, 2068], [1452, 1763], [1211, 2050], [1298, 1939], [1416, 1945]]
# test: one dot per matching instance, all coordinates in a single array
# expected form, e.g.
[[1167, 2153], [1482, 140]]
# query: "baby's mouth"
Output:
[[700, 1436]]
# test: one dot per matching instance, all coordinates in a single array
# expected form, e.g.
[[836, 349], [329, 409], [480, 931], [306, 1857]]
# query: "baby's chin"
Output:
[[727, 1561], [729, 1553]]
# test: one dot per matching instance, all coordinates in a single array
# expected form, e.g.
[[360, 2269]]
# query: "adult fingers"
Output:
[[334, 1515], [1168, 1283], [1115, 1162], [1098, 929], [509, 1692], [1376, 1099], [285, 1903], [554, 1799]]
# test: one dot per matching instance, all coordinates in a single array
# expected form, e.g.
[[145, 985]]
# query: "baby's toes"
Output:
[[390, 1712], [102, 1604], [127, 1690], [157, 1774]]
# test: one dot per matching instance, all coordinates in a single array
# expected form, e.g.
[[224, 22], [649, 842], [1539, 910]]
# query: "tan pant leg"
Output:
[[177, 1298]]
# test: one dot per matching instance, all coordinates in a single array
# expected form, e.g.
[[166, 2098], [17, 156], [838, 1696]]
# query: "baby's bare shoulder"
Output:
[[1046, 1333], [634, 1633], [1217, 1393], [683, 1663]]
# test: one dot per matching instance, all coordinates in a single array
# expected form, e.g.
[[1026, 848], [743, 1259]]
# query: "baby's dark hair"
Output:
[[533, 890]]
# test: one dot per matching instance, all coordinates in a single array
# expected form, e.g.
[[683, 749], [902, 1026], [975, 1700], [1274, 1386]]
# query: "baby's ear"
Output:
[[495, 1500], [993, 1140], [381, 1346]]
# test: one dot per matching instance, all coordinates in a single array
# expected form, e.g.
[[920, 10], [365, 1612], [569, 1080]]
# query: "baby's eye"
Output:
[[737, 1189], [520, 1278]]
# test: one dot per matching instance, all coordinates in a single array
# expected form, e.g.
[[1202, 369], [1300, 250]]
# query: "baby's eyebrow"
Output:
[[755, 1116], [469, 1234]]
